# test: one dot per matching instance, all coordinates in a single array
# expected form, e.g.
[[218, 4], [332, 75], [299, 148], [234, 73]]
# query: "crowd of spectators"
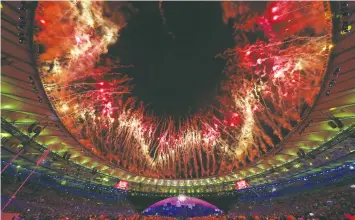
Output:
[[321, 205], [309, 205], [56, 200], [37, 201]]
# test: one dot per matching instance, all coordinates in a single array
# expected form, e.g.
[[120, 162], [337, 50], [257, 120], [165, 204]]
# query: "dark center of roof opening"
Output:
[[175, 69]]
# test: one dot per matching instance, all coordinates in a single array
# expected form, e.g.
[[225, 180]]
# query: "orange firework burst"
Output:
[[271, 82]]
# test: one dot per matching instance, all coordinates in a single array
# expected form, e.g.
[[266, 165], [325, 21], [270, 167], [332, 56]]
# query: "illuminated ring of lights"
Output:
[[67, 67]]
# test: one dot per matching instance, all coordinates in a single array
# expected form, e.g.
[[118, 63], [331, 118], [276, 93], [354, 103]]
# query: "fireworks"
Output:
[[271, 82]]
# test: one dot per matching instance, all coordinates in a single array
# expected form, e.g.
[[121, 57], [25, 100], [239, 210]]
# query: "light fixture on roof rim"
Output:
[[336, 72]]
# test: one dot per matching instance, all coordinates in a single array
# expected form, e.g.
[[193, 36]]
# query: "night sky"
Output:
[[175, 70]]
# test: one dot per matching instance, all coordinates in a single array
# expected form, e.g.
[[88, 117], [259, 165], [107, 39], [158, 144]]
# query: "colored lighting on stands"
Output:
[[121, 185], [265, 186], [241, 184]]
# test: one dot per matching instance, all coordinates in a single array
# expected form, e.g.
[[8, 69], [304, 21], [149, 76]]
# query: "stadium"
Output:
[[177, 110]]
